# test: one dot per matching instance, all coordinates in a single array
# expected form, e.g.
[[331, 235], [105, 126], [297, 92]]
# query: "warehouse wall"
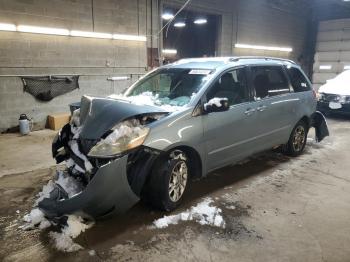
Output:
[[260, 22], [263, 22], [266, 23], [94, 59], [333, 49]]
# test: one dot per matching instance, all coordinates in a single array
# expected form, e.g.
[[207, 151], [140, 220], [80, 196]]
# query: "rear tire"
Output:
[[297, 140], [168, 181]]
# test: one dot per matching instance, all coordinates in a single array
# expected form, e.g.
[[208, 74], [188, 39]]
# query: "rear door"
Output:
[[274, 104]]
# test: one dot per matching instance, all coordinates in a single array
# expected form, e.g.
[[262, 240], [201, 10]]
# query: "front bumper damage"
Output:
[[112, 187], [107, 192]]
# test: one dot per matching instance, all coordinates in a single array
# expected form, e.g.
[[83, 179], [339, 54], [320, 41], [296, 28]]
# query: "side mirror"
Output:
[[216, 105]]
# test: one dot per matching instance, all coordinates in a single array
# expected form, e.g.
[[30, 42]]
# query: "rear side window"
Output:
[[298, 80], [269, 81]]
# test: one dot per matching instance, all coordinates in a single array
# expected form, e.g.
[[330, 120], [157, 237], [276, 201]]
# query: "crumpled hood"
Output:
[[99, 115]]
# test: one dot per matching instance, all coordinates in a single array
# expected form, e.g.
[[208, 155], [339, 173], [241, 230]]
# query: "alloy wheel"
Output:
[[178, 181]]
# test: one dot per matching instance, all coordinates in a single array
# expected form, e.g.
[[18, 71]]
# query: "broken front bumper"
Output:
[[107, 192]]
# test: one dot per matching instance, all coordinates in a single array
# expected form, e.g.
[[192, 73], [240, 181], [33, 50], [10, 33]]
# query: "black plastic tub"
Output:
[[74, 106]]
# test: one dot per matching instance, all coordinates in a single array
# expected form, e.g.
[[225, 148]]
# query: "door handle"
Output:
[[261, 108], [249, 111]]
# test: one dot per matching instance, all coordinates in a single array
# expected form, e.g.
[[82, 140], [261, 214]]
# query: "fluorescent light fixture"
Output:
[[90, 34], [167, 16], [347, 67], [325, 67], [200, 21], [169, 51], [262, 47], [130, 37], [42, 30], [66, 32], [118, 78], [7, 27], [180, 24]]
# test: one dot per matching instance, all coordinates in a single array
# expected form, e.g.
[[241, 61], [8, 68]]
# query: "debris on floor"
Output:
[[63, 241]]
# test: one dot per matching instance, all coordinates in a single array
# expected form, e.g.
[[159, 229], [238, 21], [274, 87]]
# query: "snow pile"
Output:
[[203, 213], [75, 225], [131, 128], [338, 85], [73, 144], [148, 99], [35, 218], [63, 241], [214, 101]]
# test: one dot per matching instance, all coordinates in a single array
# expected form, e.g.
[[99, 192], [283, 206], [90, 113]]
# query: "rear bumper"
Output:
[[324, 107], [107, 192]]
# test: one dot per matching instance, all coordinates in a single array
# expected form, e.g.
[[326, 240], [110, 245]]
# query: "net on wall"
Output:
[[45, 88]]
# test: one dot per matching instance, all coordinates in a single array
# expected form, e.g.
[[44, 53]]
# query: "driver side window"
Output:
[[231, 85]]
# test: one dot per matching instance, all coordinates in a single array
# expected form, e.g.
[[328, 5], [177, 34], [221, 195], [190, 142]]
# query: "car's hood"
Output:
[[335, 87], [99, 115]]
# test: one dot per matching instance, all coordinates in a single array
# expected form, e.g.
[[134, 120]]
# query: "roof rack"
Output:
[[236, 59]]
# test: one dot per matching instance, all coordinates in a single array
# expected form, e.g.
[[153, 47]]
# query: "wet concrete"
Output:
[[286, 209]]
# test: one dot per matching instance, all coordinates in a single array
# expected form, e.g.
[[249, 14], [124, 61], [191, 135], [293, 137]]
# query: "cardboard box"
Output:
[[57, 121]]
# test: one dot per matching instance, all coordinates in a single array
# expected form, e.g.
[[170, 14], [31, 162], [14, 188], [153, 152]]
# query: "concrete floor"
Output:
[[286, 210]]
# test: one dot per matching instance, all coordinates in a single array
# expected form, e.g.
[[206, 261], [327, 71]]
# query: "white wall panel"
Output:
[[333, 48]]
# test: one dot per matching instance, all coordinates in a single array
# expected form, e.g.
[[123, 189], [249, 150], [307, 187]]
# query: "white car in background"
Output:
[[334, 96]]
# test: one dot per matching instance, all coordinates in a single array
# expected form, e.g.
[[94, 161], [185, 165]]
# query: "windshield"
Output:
[[174, 86]]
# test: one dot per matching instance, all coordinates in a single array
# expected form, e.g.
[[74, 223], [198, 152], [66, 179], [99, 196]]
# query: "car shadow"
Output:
[[133, 224]]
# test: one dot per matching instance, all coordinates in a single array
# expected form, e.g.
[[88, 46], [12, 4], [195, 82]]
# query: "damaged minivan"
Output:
[[180, 122]]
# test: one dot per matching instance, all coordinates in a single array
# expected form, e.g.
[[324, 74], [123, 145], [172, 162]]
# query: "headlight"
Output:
[[123, 138], [344, 99], [320, 96]]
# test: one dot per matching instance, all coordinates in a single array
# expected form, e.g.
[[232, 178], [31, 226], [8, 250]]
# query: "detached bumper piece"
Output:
[[107, 192], [318, 121]]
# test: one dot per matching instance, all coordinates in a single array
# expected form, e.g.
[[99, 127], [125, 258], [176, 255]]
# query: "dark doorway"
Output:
[[198, 38]]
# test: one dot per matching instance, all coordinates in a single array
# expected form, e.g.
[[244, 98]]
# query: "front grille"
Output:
[[330, 98]]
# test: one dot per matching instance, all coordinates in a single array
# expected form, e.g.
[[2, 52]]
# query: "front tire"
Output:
[[168, 181], [297, 140]]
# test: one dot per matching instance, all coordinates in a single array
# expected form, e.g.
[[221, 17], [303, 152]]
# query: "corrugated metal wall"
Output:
[[332, 50]]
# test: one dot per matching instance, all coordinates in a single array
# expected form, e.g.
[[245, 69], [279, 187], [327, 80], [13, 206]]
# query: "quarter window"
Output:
[[298, 80], [269, 81]]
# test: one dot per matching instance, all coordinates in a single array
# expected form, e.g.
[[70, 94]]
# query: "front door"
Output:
[[229, 135]]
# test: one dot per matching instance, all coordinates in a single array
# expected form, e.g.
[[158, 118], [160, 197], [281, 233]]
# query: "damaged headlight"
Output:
[[124, 137]]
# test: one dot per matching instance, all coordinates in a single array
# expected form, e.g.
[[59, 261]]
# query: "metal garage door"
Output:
[[333, 50]]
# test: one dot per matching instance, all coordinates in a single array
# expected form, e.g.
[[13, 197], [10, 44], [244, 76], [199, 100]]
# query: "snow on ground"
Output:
[[203, 213], [63, 241]]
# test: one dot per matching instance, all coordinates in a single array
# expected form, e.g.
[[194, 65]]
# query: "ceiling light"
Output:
[[200, 21], [7, 27], [325, 67], [180, 24], [42, 30], [262, 47], [169, 51], [130, 37], [90, 34], [167, 16]]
